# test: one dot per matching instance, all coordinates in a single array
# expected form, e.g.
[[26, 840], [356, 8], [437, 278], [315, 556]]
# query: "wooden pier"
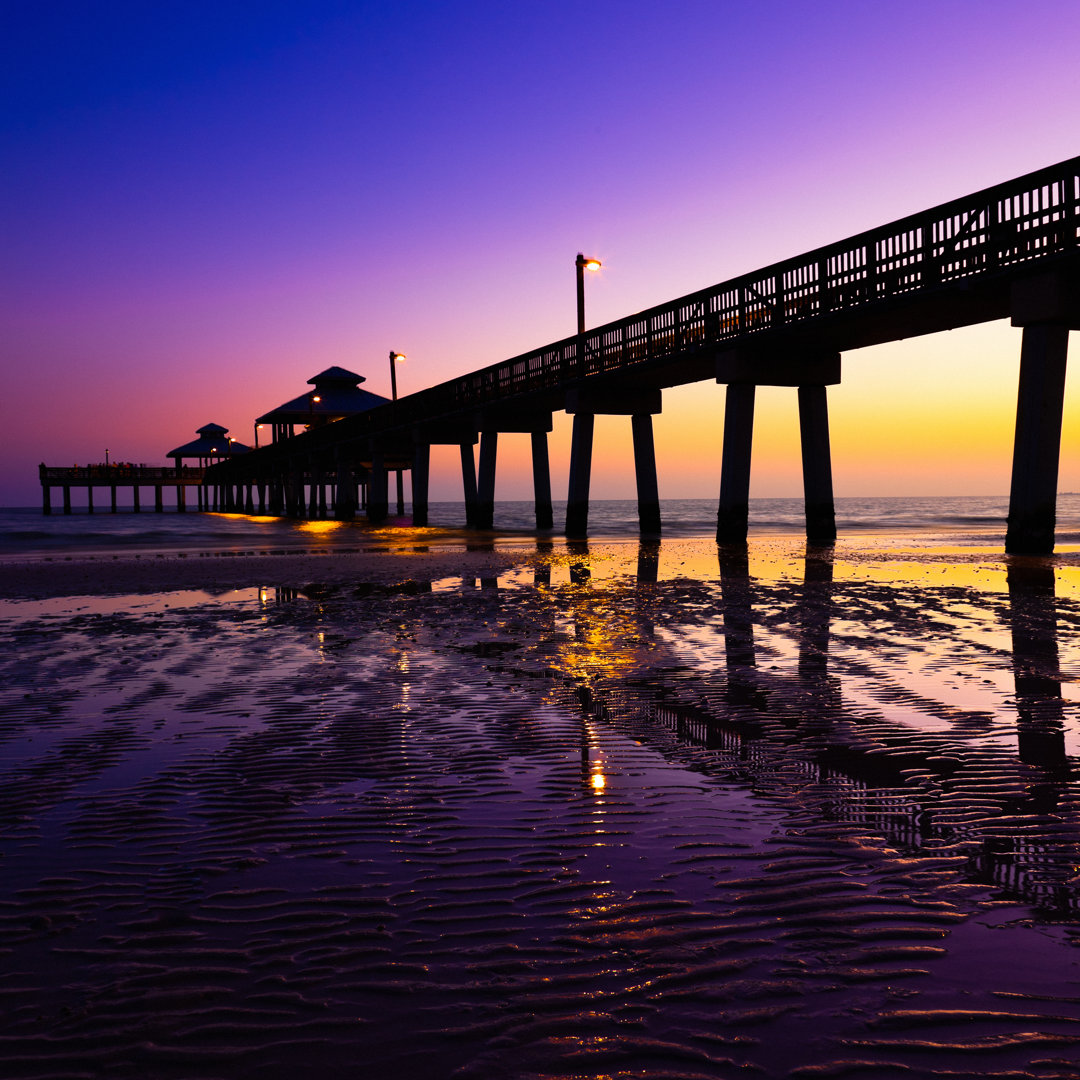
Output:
[[1007, 252], [115, 477]]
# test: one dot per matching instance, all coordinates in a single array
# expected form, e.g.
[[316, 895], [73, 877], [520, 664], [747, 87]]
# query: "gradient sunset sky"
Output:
[[204, 204]]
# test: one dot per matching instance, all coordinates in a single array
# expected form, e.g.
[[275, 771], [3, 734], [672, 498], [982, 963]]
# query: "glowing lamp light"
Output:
[[394, 358], [316, 399], [592, 264]]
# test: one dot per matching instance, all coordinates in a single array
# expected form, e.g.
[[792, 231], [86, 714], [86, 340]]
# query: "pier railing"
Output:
[[1025, 222], [122, 475]]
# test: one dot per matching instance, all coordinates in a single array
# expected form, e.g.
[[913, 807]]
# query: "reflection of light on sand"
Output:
[[320, 528], [597, 781], [402, 664]]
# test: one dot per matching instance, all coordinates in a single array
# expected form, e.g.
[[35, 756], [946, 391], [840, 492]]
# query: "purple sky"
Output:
[[207, 203]]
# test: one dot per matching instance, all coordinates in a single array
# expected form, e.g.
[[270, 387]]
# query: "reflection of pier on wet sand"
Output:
[[1006, 807], [579, 811]]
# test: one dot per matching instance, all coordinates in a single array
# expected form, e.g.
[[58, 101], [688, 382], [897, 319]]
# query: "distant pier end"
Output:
[[115, 477]]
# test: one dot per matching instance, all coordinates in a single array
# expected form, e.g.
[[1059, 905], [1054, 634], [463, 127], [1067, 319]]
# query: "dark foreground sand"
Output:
[[591, 812]]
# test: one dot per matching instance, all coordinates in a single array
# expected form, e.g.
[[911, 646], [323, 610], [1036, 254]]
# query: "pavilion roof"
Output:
[[339, 395], [213, 441]]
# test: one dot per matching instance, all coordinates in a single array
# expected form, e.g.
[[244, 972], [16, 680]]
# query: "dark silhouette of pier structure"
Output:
[[114, 477], [1010, 251]]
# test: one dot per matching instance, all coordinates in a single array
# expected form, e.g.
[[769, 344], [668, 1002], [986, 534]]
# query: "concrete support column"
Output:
[[159, 500], [135, 498], [67, 499], [378, 491], [468, 479], [648, 493], [485, 481], [181, 499], [249, 498], [421, 470], [733, 514], [1037, 446], [577, 496], [89, 498], [399, 475], [345, 505], [261, 486], [294, 492], [112, 498], [46, 499], [816, 464], [313, 490], [545, 517]]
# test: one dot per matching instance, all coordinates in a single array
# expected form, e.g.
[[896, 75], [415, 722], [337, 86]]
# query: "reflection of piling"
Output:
[[579, 562], [1033, 617], [648, 562], [542, 573], [815, 612], [738, 616]]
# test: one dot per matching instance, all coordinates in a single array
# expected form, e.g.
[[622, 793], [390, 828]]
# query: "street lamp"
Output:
[[394, 358], [581, 264]]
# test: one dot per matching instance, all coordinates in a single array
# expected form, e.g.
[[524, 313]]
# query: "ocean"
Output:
[[27, 533]]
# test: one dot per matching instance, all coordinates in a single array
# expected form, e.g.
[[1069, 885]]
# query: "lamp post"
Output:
[[394, 358], [581, 264]]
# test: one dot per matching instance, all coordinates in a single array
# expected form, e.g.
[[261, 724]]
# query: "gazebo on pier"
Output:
[[336, 394], [213, 444]]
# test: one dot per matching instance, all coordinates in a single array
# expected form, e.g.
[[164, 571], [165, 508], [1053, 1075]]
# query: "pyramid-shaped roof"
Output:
[[213, 441], [338, 393]]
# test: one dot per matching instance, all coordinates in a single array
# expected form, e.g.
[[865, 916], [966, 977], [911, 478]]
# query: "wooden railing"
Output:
[[1032, 219], [123, 475]]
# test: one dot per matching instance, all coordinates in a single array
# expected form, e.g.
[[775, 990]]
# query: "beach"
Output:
[[520, 808]]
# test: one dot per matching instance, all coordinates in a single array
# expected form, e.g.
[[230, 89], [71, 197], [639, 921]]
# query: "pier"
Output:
[[1007, 252], [115, 477]]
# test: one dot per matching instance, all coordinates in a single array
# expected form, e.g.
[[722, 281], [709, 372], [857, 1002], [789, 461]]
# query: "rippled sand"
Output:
[[568, 812]]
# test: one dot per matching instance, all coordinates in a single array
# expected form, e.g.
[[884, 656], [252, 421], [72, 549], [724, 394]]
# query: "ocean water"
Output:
[[26, 532]]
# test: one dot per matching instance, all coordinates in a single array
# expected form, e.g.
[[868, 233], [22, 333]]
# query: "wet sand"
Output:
[[583, 811]]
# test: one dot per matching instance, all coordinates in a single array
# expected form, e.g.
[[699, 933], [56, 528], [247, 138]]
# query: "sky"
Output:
[[205, 204]]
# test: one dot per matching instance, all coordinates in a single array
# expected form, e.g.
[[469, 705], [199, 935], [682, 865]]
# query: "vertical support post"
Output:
[[485, 487], [249, 498], [816, 465], [733, 513], [67, 499], [112, 498], [1037, 446], [135, 498], [648, 493], [181, 498], [262, 496], [378, 496], [468, 479], [577, 496], [89, 498], [545, 517], [421, 470], [46, 499], [399, 476], [345, 505], [159, 502]]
